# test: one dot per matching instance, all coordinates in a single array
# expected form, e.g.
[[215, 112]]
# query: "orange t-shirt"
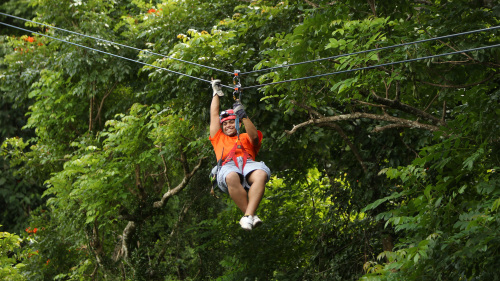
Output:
[[221, 140]]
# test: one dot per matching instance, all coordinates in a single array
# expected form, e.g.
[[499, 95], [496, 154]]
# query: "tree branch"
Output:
[[433, 99], [138, 184], [459, 86], [407, 146], [165, 171], [174, 229], [449, 46], [354, 149], [90, 113], [96, 245], [406, 108], [98, 115], [372, 7], [308, 108], [379, 129], [339, 130], [358, 115], [311, 3], [370, 104], [184, 162], [423, 2], [182, 185], [122, 249], [398, 91]]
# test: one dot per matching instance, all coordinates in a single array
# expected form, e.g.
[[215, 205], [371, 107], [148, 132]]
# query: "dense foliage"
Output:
[[388, 173]]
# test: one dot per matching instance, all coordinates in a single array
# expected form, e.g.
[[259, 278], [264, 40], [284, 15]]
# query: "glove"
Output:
[[216, 86], [239, 110]]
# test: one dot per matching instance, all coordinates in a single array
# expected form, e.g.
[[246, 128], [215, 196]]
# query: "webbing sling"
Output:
[[232, 153]]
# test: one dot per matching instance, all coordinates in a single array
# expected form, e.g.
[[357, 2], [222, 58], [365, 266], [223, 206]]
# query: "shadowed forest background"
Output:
[[390, 173]]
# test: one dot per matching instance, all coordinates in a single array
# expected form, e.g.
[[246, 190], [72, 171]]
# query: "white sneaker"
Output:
[[246, 222], [256, 222]]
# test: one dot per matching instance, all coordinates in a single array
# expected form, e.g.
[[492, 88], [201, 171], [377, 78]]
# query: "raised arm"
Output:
[[250, 128], [214, 116], [214, 108], [251, 131]]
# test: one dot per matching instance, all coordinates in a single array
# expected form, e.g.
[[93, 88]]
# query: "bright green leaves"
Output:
[[111, 136], [334, 43], [459, 202], [293, 214], [378, 202], [346, 84], [138, 155], [55, 113], [10, 263], [398, 260], [469, 162]]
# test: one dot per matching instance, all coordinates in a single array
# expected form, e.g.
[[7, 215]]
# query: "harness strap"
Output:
[[232, 156]]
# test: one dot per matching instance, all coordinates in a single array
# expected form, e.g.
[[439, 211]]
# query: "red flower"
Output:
[[29, 39], [48, 261], [151, 11], [29, 230]]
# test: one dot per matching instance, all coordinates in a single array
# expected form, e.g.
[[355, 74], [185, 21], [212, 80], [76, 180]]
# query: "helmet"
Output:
[[227, 115]]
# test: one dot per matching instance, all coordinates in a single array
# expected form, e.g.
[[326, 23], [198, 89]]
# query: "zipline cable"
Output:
[[121, 57], [118, 44], [373, 66], [373, 50], [267, 84], [264, 69]]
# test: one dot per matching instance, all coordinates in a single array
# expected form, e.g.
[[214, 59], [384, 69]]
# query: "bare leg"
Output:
[[257, 181], [236, 191]]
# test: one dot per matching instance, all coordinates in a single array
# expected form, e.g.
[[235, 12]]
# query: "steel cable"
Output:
[[373, 50], [284, 81], [372, 66], [270, 68], [118, 56], [118, 44]]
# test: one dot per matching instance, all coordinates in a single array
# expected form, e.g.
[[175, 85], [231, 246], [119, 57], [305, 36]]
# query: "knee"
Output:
[[261, 174], [258, 175], [233, 179]]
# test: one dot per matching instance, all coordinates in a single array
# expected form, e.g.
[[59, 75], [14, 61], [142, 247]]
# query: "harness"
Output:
[[229, 157], [232, 152], [237, 145]]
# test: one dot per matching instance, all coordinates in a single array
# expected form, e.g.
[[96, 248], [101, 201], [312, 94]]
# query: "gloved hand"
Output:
[[239, 110], [216, 86]]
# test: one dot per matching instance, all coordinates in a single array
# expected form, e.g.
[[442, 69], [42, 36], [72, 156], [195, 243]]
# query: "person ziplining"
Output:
[[237, 172]]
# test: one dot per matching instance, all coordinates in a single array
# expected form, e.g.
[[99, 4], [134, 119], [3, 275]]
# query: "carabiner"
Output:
[[237, 90], [236, 77], [237, 85]]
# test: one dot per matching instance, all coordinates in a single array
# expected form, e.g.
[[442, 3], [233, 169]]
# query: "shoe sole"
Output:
[[257, 224], [247, 229]]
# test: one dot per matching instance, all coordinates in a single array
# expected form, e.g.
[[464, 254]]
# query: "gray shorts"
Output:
[[229, 167]]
